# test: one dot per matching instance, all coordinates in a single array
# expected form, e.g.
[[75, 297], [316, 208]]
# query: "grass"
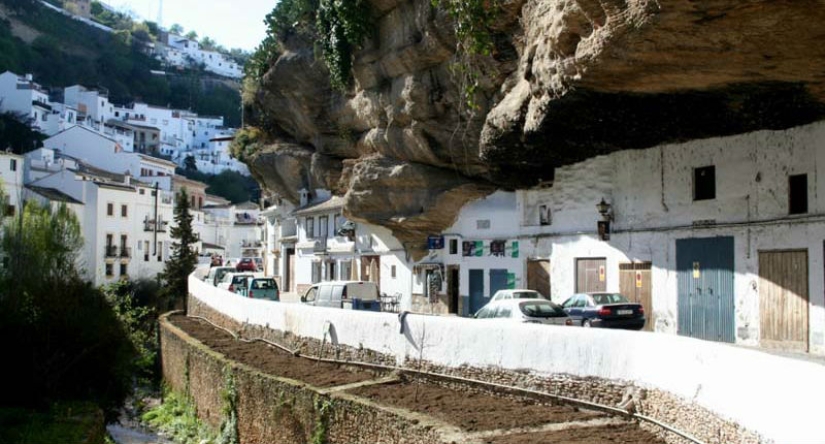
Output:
[[177, 418]]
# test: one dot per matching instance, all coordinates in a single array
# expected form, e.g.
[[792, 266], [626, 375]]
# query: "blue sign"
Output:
[[435, 242]]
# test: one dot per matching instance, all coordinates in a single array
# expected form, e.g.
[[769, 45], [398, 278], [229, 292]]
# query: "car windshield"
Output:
[[609, 298], [541, 309]]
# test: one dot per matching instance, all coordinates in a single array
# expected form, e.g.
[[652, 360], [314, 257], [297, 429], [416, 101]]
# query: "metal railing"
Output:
[[110, 251]]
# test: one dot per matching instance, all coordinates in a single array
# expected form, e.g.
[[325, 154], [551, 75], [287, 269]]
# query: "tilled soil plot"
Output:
[[622, 433], [267, 358], [472, 410]]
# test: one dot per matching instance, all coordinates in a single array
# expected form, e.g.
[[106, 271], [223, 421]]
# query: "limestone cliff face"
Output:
[[568, 79]]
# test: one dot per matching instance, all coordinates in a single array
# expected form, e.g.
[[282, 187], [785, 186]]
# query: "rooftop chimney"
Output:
[[303, 193]]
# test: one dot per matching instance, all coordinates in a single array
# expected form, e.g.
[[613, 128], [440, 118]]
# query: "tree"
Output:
[[68, 343], [189, 164], [183, 259], [192, 35], [176, 29], [207, 43]]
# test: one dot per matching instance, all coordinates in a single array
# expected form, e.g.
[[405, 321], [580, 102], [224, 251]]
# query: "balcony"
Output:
[[150, 226], [110, 251], [251, 244], [320, 245], [125, 252]]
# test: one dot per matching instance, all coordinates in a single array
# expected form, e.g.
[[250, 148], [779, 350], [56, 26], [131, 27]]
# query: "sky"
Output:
[[230, 23]]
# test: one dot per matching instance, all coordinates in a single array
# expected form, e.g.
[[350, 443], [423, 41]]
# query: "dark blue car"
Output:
[[607, 310]]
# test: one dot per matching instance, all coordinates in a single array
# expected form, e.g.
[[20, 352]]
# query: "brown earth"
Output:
[[268, 359], [475, 411], [472, 410], [622, 433]]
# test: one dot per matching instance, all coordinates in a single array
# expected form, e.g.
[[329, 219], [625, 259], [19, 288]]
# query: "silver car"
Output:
[[535, 311]]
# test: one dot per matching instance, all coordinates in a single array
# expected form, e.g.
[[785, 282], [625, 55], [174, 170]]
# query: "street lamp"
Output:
[[605, 210]]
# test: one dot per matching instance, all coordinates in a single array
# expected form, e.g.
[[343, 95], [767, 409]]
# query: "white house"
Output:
[[105, 153], [11, 183], [182, 52], [235, 227], [92, 104], [125, 222], [21, 96], [720, 239]]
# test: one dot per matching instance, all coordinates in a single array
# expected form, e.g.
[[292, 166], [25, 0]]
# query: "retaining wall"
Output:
[[716, 392]]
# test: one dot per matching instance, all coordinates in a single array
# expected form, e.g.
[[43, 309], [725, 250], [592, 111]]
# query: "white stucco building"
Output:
[[21, 96], [721, 239], [125, 222], [11, 183]]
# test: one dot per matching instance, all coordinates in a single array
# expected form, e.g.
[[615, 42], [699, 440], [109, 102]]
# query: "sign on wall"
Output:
[[472, 248], [435, 242]]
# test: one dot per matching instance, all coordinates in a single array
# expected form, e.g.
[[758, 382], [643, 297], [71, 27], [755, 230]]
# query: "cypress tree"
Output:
[[183, 258]]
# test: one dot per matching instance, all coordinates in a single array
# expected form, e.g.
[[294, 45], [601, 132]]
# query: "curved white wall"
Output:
[[774, 396]]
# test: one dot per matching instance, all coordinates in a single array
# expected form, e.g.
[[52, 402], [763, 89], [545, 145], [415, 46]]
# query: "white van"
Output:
[[355, 295]]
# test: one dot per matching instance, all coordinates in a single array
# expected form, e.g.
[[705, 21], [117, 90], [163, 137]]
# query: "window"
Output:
[[310, 295], [110, 270], [798, 194], [124, 211], [483, 224], [110, 209], [124, 269], [392, 271], [323, 225], [453, 246], [704, 183], [142, 191], [13, 164], [310, 227], [9, 210]]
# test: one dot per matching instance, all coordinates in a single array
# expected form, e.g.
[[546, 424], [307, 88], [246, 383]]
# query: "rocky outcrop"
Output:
[[568, 79]]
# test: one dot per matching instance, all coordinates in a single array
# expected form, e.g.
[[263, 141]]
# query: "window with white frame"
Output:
[[310, 227]]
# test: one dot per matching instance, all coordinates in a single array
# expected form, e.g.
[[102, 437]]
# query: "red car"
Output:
[[246, 264]]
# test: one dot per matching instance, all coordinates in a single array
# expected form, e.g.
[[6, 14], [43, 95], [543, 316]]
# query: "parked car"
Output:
[[516, 294], [232, 281], [259, 288], [608, 310], [356, 295], [246, 264], [534, 311], [216, 274]]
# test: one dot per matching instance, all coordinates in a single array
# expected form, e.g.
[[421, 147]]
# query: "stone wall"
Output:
[[273, 409], [680, 413]]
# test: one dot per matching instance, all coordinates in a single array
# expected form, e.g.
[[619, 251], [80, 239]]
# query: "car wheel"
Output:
[[587, 324]]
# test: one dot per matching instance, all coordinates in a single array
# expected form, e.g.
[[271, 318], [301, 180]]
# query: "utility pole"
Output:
[[160, 13], [155, 230]]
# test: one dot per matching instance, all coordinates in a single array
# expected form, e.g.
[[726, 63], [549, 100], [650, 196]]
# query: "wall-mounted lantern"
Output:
[[603, 226]]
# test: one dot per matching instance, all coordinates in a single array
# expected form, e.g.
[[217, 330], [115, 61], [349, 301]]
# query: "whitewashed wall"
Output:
[[651, 194], [764, 393]]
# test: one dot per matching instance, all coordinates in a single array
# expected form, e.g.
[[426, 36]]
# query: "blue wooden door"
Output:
[[498, 281], [705, 282], [477, 299]]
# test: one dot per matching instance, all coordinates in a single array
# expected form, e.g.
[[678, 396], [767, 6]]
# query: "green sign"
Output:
[[511, 280], [478, 248], [515, 248]]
